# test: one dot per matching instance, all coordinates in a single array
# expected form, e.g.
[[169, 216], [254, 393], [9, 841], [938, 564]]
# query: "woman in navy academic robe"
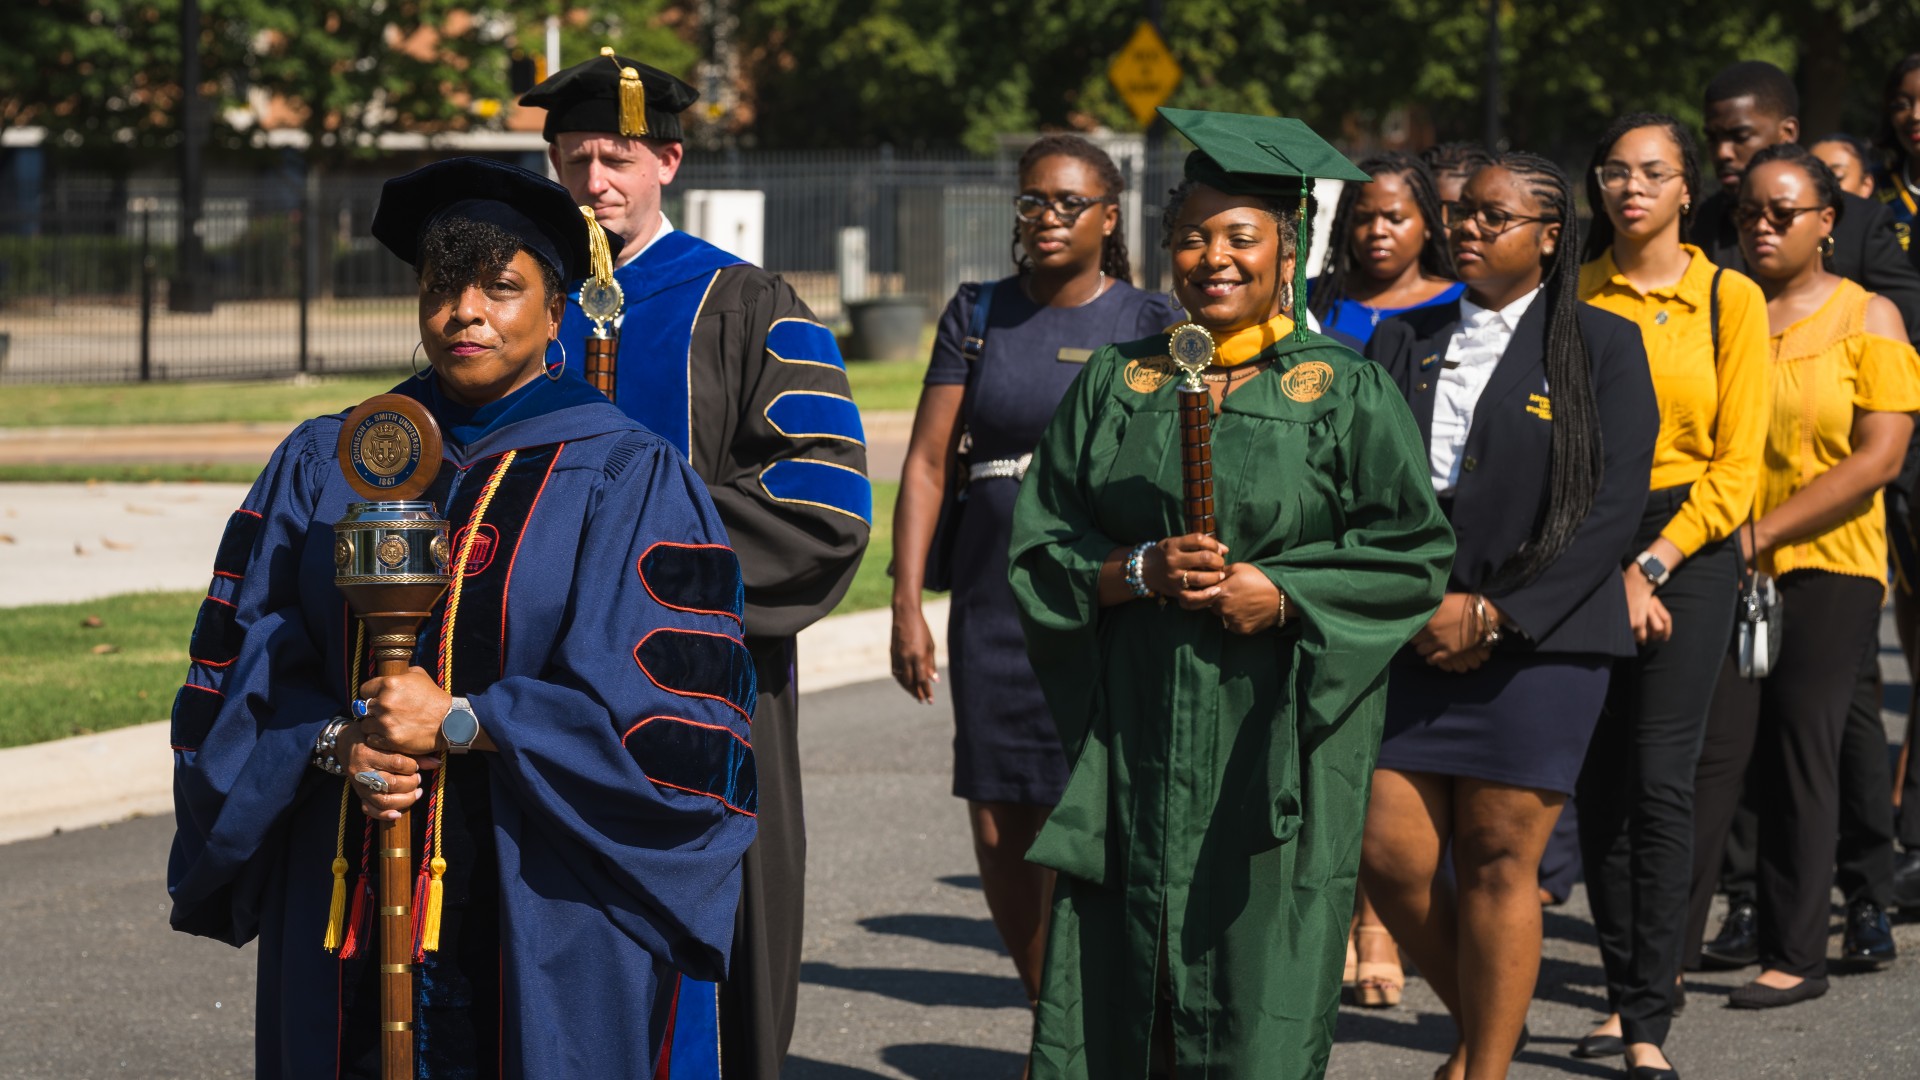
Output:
[[592, 838]]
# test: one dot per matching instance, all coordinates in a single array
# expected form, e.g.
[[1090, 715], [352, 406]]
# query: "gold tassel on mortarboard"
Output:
[[633, 98]]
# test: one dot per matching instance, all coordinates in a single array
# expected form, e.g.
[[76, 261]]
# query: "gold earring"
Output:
[[1826, 245]]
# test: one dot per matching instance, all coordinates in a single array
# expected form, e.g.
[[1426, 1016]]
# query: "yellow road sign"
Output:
[[1144, 72]]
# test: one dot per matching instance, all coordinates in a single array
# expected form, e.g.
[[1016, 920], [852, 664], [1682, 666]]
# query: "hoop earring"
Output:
[[553, 374], [414, 359], [1826, 245]]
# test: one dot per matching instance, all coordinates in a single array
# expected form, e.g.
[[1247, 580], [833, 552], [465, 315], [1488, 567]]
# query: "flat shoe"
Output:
[[1648, 1072], [1600, 1046], [1756, 996]]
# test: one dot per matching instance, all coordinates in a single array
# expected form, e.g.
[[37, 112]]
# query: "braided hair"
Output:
[[1600, 238], [1113, 250], [1435, 258], [1455, 157], [1575, 459]]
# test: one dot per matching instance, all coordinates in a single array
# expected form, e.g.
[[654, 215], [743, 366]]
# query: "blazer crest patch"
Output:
[[1308, 381], [1540, 405], [1146, 376]]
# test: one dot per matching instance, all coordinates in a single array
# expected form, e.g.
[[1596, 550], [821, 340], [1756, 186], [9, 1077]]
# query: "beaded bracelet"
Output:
[[1136, 569], [323, 746]]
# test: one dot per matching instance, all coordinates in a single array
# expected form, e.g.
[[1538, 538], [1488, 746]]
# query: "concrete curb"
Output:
[[93, 780]]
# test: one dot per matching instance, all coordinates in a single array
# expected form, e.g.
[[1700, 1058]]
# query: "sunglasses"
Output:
[[1067, 208], [1780, 217]]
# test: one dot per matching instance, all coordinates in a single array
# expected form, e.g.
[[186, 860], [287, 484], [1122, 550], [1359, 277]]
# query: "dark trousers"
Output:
[[761, 994], [1863, 869], [1636, 789], [1790, 725]]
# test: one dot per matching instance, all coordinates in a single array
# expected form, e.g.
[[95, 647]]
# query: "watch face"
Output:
[[460, 727]]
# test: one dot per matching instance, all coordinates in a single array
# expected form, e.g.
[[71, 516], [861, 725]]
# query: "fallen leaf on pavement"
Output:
[[133, 508], [115, 545]]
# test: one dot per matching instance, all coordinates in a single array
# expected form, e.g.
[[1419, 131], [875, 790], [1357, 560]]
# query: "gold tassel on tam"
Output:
[[633, 98]]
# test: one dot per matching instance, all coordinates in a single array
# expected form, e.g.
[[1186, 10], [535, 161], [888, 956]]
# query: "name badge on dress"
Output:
[[1074, 356]]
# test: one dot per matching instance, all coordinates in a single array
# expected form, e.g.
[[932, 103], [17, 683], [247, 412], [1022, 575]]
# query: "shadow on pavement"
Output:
[[929, 988], [940, 929], [799, 1068], [1569, 928], [962, 881], [1435, 1034], [940, 1061]]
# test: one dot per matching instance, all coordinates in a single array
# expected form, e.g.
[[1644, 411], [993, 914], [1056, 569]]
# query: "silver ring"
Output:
[[372, 781], [360, 707], [1184, 583]]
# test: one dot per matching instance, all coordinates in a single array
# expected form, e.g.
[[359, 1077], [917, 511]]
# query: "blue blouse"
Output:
[[1357, 320]]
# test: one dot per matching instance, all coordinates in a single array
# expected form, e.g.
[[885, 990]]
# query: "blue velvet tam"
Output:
[[527, 206]]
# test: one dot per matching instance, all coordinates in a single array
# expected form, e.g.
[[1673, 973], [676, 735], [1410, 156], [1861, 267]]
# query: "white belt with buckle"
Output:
[[999, 469]]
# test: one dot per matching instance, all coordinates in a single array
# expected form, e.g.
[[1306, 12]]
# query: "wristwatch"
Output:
[[461, 727], [1650, 565]]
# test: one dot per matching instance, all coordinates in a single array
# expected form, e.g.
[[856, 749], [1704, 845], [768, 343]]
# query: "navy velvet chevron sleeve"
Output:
[[1629, 424], [257, 693], [628, 759], [793, 489]]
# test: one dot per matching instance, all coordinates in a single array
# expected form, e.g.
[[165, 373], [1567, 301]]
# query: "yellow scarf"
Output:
[[1240, 346]]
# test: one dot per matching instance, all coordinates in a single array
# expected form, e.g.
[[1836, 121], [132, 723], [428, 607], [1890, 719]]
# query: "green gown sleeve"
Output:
[[1364, 592]]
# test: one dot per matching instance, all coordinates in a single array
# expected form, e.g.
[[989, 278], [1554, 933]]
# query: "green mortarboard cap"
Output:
[[1257, 155], [1272, 157]]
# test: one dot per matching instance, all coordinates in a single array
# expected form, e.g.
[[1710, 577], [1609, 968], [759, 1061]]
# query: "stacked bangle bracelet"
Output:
[[1136, 569], [323, 746]]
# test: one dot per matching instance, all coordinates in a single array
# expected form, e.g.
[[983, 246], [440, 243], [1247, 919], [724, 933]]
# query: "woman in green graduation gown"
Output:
[[1220, 699]]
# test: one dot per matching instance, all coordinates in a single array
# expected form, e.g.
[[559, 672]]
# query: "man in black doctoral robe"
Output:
[[723, 359]]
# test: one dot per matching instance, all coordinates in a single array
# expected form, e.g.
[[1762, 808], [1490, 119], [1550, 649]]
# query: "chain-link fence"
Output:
[[297, 284]]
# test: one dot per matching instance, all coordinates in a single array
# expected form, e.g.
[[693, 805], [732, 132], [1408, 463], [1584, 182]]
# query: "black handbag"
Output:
[[939, 575], [1758, 613]]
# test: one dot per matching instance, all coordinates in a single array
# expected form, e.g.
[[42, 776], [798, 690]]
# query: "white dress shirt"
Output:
[[1472, 354]]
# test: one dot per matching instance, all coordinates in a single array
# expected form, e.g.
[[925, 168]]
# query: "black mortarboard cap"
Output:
[[528, 206], [586, 97]]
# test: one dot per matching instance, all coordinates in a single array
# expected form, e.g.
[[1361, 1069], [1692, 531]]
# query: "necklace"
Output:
[[1233, 374], [1099, 290]]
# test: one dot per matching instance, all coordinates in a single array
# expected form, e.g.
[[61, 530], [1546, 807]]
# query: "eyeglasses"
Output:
[[1492, 220], [1067, 208], [1613, 177], [1780, 217]]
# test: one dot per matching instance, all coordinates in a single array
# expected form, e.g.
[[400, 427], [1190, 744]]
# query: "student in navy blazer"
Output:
[[1540, 420]]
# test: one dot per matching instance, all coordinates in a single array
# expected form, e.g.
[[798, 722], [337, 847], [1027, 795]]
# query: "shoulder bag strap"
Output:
[[1713, 311]]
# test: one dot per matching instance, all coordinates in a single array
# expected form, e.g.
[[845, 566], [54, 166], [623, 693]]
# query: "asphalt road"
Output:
[[903, 978]]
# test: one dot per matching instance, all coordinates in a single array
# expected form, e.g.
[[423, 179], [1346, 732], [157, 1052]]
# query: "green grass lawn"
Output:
[[207, 472], [53, 682], [36, 405], [877, 384]]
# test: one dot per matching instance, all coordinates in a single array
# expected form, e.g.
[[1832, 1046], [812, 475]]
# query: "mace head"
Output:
[[390, 448]]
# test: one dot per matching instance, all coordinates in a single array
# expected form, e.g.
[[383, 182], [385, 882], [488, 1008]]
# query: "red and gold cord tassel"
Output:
[[357, 931], [337, 906]]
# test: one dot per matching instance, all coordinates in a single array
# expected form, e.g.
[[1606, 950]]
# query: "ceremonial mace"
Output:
[[601, 299], [390, 558], [1191, 348]]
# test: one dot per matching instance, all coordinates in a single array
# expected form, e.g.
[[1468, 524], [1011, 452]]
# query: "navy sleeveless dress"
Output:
[[1005, 747]]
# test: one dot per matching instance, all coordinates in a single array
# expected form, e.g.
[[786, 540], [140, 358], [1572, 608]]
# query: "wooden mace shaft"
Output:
[[1196, 459], [393, 635], [602, 356]]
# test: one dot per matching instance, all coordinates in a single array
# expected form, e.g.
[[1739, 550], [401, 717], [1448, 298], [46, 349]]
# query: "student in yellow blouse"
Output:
[[1705, 331], [1844, 379]]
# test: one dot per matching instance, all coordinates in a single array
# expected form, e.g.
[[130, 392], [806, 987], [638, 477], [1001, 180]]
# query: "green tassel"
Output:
[[1302, 244]]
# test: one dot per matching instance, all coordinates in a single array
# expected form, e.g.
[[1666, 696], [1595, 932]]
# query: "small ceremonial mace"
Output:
[[601, 299], [1191, 348], [390, 558]]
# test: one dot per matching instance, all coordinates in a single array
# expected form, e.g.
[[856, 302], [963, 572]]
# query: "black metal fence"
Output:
[[298, 285]]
